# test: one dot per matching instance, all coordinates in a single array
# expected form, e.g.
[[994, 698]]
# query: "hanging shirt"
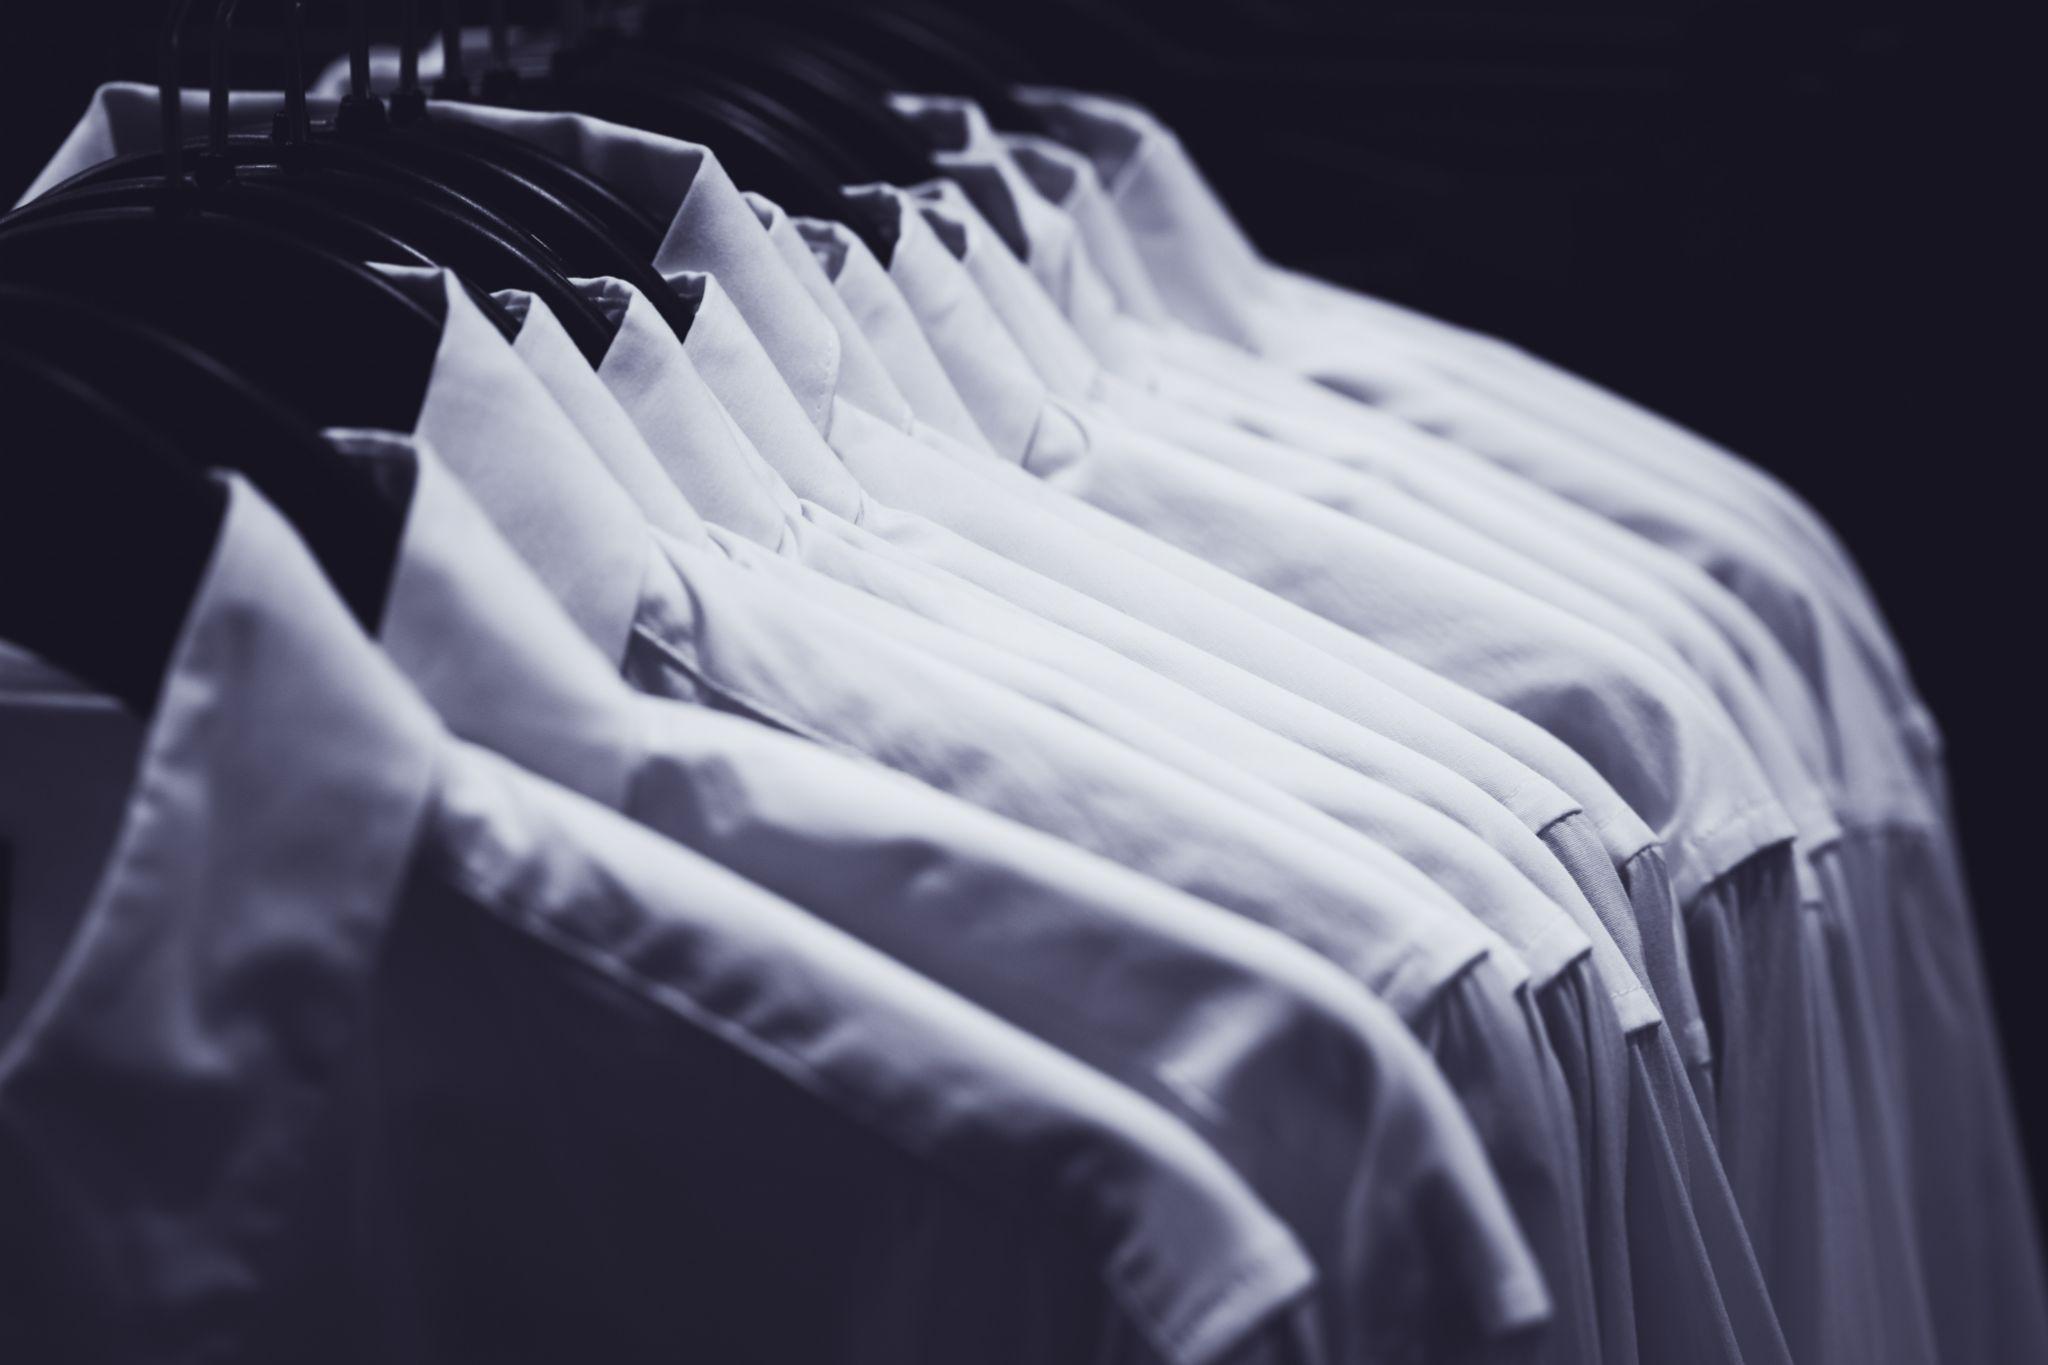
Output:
[[863, 285], [1919, 861], [1542, 932], [706, 228], [1403, 364], [1863, 1139], [719, 338], [1043, 338], [1588, 1042], [1209, 377], [1046, 239], [701, 628], [1891, 824], [1524, 917], [1199, 256], [351, 1007], [1673, 760], [1217, 1020], [1865, 1132], [935, 285], [1831, 1282], [1502, 371], [1867, 1114]]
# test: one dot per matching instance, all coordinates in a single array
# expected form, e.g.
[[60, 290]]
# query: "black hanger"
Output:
[[634, 229], [279, 204], [765, 143], [104, 535], [569, 211], [339, 343], [836, 109], [925, 49], [762, 145], [215, 417], [476, 168], [354, 176], [464, 209]]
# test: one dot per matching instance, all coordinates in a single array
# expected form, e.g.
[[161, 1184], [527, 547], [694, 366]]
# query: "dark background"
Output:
[[1809, 231]]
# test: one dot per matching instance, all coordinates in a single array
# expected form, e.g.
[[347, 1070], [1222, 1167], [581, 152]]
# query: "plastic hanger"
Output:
[[215, 417], [476, 167], [926, 48], [330, 336], [836, 108], [762, 144], [319, 330], [637, 231], [104, 536], [353, 176], [529, 185]]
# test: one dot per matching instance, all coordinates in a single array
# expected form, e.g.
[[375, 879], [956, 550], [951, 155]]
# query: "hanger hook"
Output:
[[213, 167], [501, 38], [452, 85], [409, 103], [168, 92], [293, 125], [360, 110], [500, 82], [299, 124]]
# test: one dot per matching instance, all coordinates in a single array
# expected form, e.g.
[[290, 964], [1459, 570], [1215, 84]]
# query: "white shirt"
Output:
[[1396, 356], [1001, 508], [879, 313], [1572, 404], [1750, 1077], [741, 638], [1733, 1249], [1236, 621], [1117, 970], [1045, 237], [346, 1020], [1404, 364], [1675, 761], [1602, 1074], [854, 554], [708, 632]]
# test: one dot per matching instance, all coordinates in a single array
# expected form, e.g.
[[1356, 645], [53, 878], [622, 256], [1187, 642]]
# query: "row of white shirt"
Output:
[[1248, 825]]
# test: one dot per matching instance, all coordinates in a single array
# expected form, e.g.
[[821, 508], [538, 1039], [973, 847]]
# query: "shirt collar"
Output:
[[878, 310], [863, 380], [947, 123], [1046, 240], [984, 362], [1068, 179], [715, 232], [545, 349], [654, 380], [966, 147], [230, 944], [495, 656], [1206, 269], [738, 369], [1027, 312], [522, 458]]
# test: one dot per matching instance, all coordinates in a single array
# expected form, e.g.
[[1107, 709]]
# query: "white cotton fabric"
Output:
[[325, 933], [1215, 1019], [709, 631]]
